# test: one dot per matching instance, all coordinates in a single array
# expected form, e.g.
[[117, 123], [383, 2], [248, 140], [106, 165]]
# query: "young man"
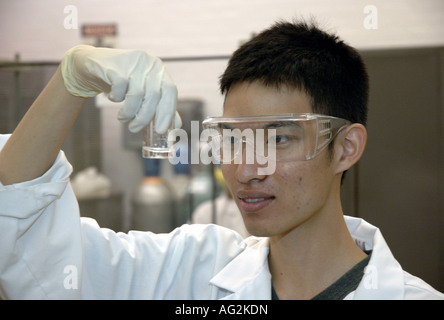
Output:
[[304, 248]]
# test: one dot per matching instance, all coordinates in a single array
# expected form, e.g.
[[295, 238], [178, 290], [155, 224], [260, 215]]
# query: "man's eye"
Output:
[[278, 139]]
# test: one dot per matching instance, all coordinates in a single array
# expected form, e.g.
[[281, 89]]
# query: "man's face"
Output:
[[297, 190]]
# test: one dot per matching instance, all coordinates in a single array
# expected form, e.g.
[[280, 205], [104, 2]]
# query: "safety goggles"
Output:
[[286, 137]]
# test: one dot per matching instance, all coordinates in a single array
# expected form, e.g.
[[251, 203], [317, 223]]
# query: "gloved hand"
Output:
[[131, 75]]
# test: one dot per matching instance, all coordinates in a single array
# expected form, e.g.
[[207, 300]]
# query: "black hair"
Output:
[[301, 55]]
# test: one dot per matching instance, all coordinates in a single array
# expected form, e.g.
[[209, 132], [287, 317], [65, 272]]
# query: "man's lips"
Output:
[[252, 201]]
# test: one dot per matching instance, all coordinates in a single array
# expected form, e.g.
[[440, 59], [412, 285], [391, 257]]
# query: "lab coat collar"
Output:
[[247, 276], [383, 276]]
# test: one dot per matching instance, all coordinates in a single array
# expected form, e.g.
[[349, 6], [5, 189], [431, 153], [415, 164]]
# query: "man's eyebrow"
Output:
[[270, 125], [280, 124]]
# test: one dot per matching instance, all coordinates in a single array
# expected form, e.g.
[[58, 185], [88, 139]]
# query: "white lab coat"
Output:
[[48, 252]]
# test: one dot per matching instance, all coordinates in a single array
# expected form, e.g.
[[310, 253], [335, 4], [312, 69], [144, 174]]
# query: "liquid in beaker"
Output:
[[156, 145]]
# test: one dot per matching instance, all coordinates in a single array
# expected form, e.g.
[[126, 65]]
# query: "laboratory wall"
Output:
[[44, 30], [399, 183]]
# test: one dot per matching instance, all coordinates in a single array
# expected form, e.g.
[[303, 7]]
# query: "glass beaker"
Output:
[[156, 145]]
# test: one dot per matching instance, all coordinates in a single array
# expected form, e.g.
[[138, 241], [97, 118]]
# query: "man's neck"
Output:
[[312, 256]]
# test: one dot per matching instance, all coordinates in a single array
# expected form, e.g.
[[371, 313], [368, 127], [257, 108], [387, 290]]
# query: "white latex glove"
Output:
[[131, 75]]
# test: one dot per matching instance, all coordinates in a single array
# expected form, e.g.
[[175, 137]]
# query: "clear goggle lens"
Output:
[[289, 137]]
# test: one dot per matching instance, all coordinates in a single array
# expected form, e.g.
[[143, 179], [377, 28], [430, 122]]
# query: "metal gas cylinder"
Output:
[[153, 203]]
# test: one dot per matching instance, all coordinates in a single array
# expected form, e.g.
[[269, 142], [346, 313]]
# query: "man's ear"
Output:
[[349, 146]]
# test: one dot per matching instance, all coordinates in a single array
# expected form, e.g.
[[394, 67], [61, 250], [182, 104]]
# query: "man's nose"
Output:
[[247, 166]]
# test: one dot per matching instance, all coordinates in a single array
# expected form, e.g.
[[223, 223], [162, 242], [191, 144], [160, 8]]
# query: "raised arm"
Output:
[[46, 251], [133, 76], [37, 140]]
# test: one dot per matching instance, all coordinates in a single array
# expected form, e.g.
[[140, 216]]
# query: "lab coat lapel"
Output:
[[247, 276], [383, 276]]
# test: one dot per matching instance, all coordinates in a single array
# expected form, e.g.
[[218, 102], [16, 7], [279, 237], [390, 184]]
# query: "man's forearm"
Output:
[[37, 140]]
